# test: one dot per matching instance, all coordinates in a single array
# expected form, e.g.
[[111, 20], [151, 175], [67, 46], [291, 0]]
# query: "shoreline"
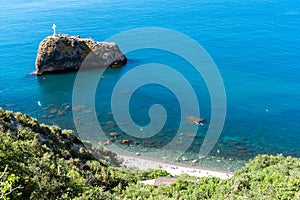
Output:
[[177, 169]]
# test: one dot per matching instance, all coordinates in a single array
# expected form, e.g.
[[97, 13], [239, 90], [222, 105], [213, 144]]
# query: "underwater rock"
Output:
[[60, 112], [195, 120], [233, 142], [53, 111], [113, 134], [239, 147], [126, 141], [106, 142], [191, 135], [44, 116], [110, 123], [133, 143]]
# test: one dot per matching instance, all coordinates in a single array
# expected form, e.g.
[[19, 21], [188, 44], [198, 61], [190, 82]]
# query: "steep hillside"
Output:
[[44, 162]]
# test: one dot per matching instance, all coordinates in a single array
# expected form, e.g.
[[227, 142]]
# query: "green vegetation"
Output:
[[43, 162]]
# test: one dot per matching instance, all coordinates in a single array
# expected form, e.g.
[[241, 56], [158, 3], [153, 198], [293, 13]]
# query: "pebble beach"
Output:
[[177, 169]]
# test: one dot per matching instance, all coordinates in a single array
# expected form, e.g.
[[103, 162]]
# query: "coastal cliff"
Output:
[[40, 162], [67, 53]]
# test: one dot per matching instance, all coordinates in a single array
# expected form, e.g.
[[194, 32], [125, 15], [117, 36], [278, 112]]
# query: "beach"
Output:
[[177, 169]]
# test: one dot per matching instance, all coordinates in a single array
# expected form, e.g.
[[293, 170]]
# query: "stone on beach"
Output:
[[137, 153]]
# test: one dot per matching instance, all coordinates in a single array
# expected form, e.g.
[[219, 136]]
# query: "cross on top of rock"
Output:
[[54, 30]]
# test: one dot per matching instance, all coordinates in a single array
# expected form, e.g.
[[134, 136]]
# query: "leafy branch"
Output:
[[7, 183]]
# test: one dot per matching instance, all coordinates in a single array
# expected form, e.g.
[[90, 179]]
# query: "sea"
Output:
[[254, 44]]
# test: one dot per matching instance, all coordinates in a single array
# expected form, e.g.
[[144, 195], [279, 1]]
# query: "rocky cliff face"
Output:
[[68, 53]]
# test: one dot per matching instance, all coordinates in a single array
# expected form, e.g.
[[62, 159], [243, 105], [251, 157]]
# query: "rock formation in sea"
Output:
[[67, 53]]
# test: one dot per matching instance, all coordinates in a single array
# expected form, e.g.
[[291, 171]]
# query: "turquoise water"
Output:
[[255, 45]]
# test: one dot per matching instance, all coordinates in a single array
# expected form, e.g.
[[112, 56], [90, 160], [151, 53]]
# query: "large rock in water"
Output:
[[67, 53]]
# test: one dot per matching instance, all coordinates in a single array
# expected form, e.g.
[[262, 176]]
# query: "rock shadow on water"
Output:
[[56, 83]]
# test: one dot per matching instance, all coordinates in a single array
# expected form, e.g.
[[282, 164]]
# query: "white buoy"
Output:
[[39, 103]]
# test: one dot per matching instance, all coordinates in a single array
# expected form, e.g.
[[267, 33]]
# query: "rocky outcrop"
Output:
[[68, 53]]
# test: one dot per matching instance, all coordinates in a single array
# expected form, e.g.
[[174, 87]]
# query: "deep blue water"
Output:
[[255, 45]]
